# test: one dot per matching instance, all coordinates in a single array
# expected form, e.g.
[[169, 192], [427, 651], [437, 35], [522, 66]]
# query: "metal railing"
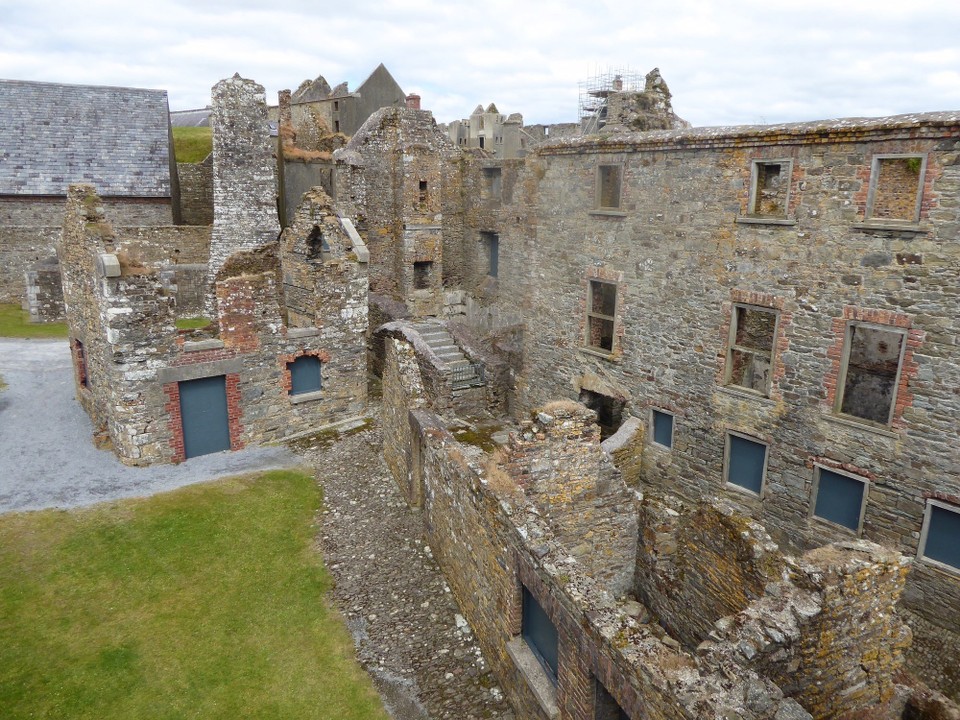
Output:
[[472, 375]]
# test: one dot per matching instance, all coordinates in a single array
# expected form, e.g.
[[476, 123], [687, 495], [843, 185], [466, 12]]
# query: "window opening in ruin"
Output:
[[608, 187], [491, 247], [336, 126], [609, 411], [770, 188], [492, 178], [839, 498], [316, 244], [662, 428], [746, 464], [305, 374], [539, 634], [606, 707], [870, 372], [82, 375], [422, 196], [481, 141], [601, 311], [896, 187], [940, 537], [336, 105], [750, 348], [422, 270]]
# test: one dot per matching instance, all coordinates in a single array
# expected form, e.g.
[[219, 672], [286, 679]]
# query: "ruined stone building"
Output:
[[726, 358], [501, 136]]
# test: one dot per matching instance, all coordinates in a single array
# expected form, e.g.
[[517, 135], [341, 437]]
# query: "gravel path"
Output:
[[406, 625], [47, 456]]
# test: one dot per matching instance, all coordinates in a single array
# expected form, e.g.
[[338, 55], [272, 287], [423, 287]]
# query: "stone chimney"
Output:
[[413, 101]]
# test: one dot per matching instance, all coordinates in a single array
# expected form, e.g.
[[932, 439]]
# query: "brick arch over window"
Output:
[[286, 360]]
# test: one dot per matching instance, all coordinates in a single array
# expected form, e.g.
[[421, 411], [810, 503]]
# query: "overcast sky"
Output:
[[725, 62]]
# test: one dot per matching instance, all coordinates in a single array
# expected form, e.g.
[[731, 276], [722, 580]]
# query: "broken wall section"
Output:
[[244, 180]]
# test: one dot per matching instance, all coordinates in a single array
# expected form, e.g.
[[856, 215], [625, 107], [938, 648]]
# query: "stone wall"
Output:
[[397, 176], [244, 171], [45, 292], [131, 358], [20, 249], [684, 251], [45, 211], [196, 192]]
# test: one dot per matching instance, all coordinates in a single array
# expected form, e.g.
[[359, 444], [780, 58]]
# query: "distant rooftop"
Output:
[[52, 135]]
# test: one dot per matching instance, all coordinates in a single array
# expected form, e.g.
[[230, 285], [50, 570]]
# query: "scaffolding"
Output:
[[595, 91]]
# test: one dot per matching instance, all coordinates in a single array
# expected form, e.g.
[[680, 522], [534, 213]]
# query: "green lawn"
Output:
[[206, 602], [192, 144], [15, 322]]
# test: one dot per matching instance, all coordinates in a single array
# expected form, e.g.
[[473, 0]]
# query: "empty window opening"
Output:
[[940, 539], [608, 187], [316, 244], [770, 188], [539, 634], [870, 372], [746, 463], [492, 178], [81, 359], [491, 250], [336, 105], [896, 188], [839, 498], [422, 193], [481, 141], [422, 274], [601, 311], [336, 126], [305, 374], [609, 411], [750, 350], [662, 428], [606, 707]]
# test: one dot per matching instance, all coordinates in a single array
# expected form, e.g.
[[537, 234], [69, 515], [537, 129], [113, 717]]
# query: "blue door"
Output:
[[203, 411]]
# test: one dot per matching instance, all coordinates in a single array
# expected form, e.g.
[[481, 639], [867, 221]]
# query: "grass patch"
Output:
[[203, 602], [194, 323], [15, 322], [192, 144]]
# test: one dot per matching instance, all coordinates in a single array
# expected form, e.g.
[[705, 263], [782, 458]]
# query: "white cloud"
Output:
[[725, 62]]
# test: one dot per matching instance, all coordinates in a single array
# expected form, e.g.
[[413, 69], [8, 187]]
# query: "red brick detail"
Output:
[[781, 343], [286, 382], [175, 420], [945, 497], [835, 465], [929, 200], [79, 363], [909, 368], [609, 275], [202, 356], [234, 412]]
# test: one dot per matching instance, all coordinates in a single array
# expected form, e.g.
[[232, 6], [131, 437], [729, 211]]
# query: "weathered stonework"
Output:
[[690, 251], [131, 360], [244, 171]]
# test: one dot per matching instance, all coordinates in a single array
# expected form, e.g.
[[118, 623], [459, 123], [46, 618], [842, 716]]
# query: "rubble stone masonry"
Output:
[[690, 252]]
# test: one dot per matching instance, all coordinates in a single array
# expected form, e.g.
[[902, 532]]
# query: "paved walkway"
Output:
[[47, 456]]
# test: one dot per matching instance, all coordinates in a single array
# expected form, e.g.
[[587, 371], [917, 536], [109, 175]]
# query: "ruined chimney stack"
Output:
[[413, 101]]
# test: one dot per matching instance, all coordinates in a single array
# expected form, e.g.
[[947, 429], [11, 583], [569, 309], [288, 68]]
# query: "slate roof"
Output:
[[52, 135]]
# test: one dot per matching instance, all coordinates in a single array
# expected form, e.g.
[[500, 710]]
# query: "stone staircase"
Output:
[[462, 372]]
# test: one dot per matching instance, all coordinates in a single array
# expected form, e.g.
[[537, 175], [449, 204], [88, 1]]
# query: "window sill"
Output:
[[742, 393], [867, 425], [537, 679], [306, 397], [892, 226], [201, 345], [743, 492], [603, 354], [837, 527], [938, 566], [760, 220], [611, 212]]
